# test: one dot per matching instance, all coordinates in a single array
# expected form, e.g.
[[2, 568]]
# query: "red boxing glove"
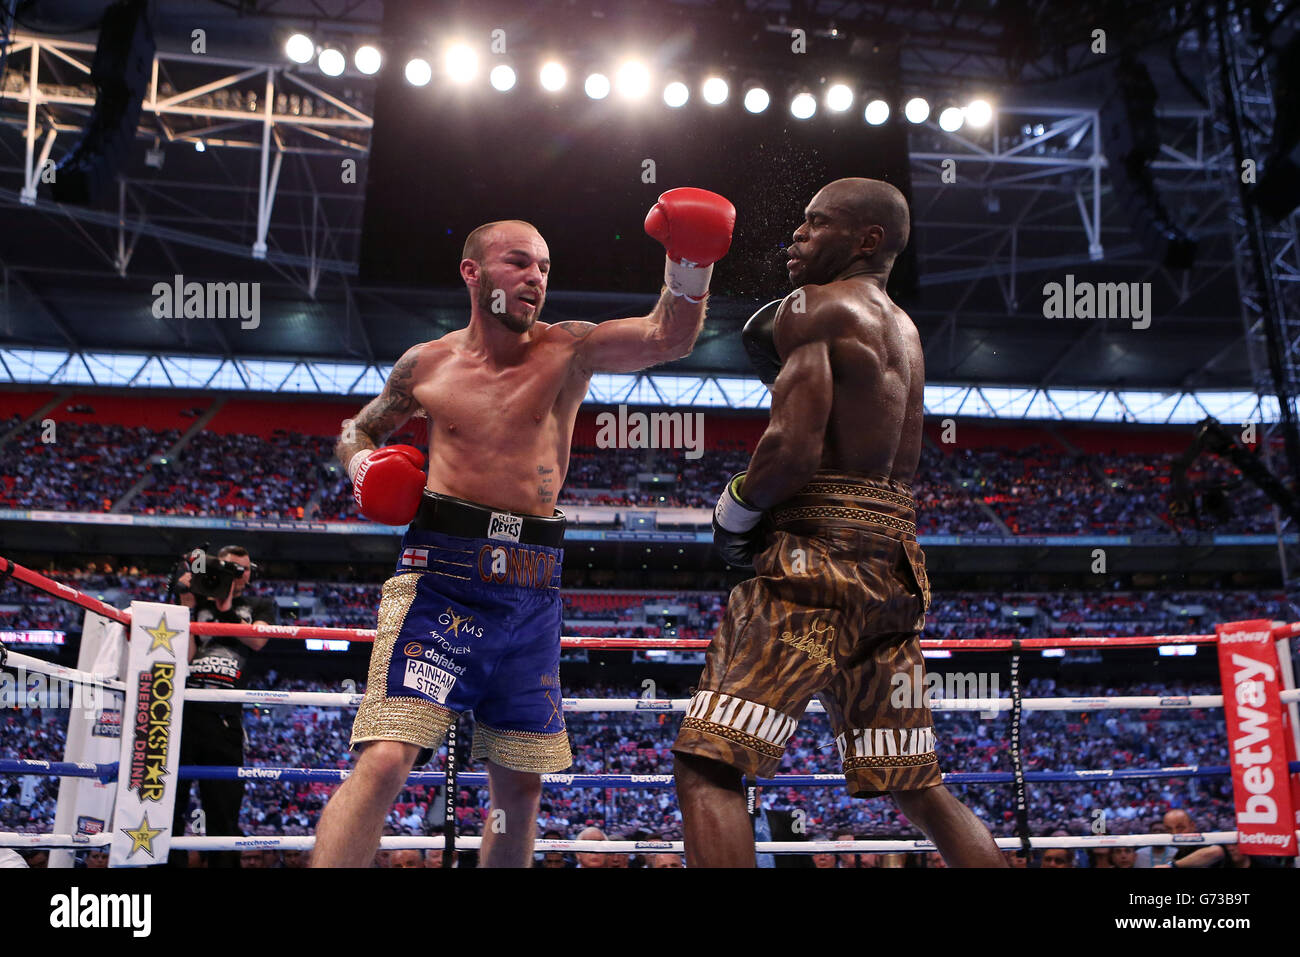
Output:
[[387, 483], [694, 226]]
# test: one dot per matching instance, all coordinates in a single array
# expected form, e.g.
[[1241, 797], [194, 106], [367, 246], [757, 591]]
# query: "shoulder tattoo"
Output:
[[577, 329]]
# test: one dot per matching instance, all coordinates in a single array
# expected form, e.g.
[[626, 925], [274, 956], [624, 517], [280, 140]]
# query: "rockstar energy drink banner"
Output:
[[151, 723]]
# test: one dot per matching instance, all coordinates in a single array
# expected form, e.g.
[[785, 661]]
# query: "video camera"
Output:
[[210, 576]]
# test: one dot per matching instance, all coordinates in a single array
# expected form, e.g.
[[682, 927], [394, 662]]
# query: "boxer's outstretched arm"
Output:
[[629, 345], [384, 414], [790, 451]]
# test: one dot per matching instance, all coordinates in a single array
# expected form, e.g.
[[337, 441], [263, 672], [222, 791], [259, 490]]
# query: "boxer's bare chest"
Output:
[[465, 395]]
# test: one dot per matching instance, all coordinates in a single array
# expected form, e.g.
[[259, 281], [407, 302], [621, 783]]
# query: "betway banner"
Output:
[[1261, 784]]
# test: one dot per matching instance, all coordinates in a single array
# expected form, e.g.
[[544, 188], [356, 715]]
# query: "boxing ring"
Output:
[[451, 778]]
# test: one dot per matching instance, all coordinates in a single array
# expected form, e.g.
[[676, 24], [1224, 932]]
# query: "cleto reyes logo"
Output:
[[505, 526]]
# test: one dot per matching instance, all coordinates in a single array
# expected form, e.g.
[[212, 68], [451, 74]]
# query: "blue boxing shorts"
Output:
[[470, 624]]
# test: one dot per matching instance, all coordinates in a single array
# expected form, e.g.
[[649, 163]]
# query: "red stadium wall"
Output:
[[150, 410], [21, 403], [1126, 441], [266, 417], [970, 434]]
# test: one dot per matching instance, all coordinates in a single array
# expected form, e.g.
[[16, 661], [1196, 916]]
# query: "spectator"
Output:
[[406, 858], [1054, 857], [213, 734], [1122, 858], [591, 859], [826, 860], [553, 859]]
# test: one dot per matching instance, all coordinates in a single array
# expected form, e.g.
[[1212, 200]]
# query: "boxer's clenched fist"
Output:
[[736, 530], [694, 226], [387, 483]]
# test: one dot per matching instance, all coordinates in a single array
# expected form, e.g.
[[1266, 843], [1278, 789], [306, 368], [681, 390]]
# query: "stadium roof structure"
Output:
[[262, 203]]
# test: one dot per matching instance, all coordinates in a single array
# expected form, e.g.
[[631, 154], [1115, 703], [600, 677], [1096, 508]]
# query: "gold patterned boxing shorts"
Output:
[[470, 624], [835, 610]]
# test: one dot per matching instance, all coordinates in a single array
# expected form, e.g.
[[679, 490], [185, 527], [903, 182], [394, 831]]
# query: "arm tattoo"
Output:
[[384, 414], [579, 330]]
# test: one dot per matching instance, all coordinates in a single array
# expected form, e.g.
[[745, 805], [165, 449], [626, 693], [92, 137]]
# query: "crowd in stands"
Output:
[[1042, 491], [83, 467], [1034, 490], [638, 743], [232, 475], [956, 615]]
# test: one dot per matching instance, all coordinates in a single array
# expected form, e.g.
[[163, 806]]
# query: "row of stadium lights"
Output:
[[632, 81]]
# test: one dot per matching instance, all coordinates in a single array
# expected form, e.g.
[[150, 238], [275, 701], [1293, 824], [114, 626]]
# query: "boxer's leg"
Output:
[[960, 836], [409, 704], [776, 647], [519, 727], [353, 820], [715, 818], [511, 826], [879, 705]]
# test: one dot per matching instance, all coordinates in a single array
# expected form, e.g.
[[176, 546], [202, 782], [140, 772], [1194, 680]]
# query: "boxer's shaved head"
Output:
[[853, 226], [872, 202], [506, 265], [477, 241]]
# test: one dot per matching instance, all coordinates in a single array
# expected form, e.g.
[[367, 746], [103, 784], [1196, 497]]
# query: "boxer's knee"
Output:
[[694, 773], [386, 764], [513, 787], [924, 805]]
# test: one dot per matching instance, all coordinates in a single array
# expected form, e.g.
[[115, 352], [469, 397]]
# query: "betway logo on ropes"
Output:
[[1261, 784]]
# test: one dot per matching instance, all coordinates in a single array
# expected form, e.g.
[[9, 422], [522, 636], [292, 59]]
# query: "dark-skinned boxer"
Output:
[[826, 519]]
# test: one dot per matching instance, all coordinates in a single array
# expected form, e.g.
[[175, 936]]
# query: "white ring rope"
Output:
[[41, 666], [328, 699], [404, 842], [1119, 702]]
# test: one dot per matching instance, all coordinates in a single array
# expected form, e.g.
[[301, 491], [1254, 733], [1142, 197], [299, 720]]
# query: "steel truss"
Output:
[[1050, 180], [208, 101], [1267, 256]]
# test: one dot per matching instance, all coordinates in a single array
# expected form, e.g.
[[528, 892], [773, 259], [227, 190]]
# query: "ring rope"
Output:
[[410, 842], [584, 705], [330, 699], [10, 569], [58, 589], [108, 772], [74, 675]]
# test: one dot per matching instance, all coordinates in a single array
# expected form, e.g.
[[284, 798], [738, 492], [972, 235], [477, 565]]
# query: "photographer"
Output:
[[213, 734]]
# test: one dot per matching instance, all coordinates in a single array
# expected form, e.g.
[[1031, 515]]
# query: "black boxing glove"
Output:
[[736, 531], [760, 342]]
